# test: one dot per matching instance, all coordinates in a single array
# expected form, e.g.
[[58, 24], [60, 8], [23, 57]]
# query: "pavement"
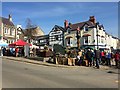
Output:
[[17, 74], [33, 61]]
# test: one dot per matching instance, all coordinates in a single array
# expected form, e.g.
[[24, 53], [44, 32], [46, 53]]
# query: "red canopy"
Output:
[[19, 43]]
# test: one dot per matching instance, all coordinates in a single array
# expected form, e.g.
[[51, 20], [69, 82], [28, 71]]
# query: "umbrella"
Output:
[[2, 43]]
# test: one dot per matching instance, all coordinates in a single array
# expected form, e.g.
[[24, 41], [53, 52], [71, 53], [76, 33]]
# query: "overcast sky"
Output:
[[48, 14]]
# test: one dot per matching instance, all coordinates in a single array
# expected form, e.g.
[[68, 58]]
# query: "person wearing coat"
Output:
[[89, 57], [117, 58], [97, 58], [79, 58], [108, 56], [102, 57], [17, 51]]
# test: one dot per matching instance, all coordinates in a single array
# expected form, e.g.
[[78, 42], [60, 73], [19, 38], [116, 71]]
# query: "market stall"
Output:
[[22, 46], [2, 45]]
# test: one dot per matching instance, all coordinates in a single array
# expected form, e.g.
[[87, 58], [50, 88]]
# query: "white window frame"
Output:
[[5, 30], [13, 31], [102, 40], [85, 40], [99, 39], [68, 40], [86, 27]]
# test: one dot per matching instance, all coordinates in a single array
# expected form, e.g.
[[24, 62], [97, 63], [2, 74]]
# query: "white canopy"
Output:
[[2, 43], [34, 46]]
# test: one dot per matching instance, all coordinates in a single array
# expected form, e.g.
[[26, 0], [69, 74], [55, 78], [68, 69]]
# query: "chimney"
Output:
[[65, 24], [92, 19], [10, 18]]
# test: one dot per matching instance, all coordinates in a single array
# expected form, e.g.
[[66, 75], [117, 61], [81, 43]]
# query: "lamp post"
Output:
[[0, 37], [78, 37], [97, 33], [63, 37]]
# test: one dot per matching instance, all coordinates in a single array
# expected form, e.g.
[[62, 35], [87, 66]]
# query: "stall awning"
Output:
[[19, 43], [102, 36], [86, 35], [69, 37], [2, 43]]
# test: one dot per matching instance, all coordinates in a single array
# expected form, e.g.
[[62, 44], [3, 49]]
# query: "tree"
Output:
[[29, 27], [29, 24]]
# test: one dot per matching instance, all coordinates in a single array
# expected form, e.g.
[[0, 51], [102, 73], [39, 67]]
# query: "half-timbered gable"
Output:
[[56, 35]]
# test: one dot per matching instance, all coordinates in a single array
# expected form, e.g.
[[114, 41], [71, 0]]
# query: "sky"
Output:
[[47, 14]]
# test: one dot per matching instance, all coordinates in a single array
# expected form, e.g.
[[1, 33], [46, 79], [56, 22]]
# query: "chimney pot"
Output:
[[66, 24], [10, 18], [92, 19]]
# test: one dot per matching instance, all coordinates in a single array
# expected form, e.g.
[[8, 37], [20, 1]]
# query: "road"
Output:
[[24, 75]]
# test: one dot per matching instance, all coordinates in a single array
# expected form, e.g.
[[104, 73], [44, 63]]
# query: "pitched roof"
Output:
[[80, 25], [56, 27], [114, 37], [6, 21], [35, 31], [61, 28]]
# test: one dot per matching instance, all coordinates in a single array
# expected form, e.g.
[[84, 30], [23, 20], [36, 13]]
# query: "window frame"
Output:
[[86, 39], [86, 28]]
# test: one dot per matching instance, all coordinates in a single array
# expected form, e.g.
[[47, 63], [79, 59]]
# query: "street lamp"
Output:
[[0, 37], [63, 37], [78, 37], [97, 34]]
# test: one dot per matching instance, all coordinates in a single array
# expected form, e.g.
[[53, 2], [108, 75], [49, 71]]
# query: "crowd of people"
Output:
[[89, 57], [95, 57], [18, 51]]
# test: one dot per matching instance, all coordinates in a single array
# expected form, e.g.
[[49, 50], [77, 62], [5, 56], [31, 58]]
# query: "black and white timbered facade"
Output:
[[41, 40], [56, 36]]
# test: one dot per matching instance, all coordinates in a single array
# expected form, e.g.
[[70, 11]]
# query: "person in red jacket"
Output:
[[103, 57], [117, 58], [16, 51]]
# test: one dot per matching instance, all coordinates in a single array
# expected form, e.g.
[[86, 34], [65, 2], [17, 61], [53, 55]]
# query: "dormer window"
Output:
[[6, 30], [86, 28]]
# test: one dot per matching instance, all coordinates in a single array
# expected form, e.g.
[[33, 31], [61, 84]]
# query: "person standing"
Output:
[[73, 57], [34, 52], [31, 52], [112, 59], [17, 51], [102, 57], [93, 58], [97, 57], [108, 58], [117, 58], [79, 57], [4, 51], [89, 57]]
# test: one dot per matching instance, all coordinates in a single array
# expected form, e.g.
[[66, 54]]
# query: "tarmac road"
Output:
[[25, 75]]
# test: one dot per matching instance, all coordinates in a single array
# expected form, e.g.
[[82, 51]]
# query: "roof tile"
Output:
[[80, 25], [7, 22]]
